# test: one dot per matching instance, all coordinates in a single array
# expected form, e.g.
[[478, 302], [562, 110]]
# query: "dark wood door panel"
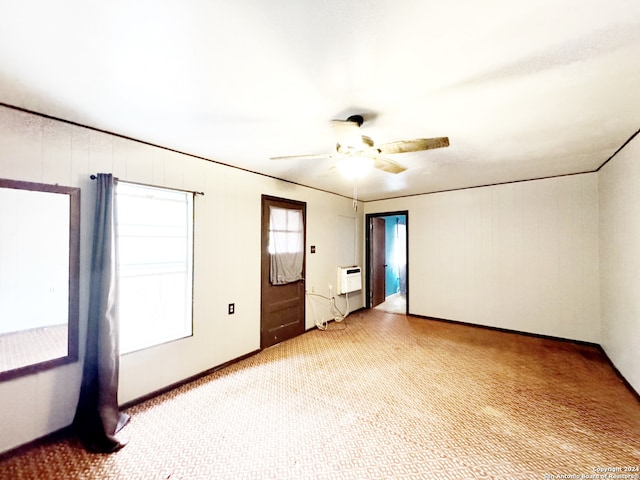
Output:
[[378, 253], [282, 306], [283, 321]]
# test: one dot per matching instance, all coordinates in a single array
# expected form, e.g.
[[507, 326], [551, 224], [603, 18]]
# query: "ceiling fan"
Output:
[[352, 144]]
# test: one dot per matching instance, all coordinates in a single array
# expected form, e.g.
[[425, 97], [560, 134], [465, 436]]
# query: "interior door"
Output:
[[378, 252], [282, 305]]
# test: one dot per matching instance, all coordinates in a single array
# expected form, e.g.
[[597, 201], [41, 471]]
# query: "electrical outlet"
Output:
[[232, 308]]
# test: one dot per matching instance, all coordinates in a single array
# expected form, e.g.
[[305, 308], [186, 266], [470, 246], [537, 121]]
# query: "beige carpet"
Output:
[[379, 396]]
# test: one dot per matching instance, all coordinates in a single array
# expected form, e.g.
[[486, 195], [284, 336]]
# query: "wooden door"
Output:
[[282, 306], [378, 252]]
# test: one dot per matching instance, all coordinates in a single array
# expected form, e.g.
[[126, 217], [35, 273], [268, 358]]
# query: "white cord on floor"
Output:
[[322, 324], [338, 315]]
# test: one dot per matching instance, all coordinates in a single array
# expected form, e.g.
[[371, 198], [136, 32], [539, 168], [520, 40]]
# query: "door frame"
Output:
[[368, 246]]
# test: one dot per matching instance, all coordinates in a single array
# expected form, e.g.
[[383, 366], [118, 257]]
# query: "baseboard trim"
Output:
[[185, 381], [67, 432], [57, 435], [619, 374], [508, 330], [539, 335]]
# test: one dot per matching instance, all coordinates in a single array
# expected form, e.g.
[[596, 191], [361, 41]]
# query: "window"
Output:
[[285, 230], [286, 245], [155, 260]]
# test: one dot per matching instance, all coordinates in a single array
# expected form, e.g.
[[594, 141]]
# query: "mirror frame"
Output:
[[74, 277]]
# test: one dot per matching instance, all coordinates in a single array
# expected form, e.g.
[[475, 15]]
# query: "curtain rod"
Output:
[[93, 177]]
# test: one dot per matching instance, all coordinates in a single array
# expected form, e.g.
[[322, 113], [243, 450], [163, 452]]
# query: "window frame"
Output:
[[189, 275]]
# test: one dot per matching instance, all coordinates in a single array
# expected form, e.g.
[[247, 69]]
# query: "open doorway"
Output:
[[386, 257]]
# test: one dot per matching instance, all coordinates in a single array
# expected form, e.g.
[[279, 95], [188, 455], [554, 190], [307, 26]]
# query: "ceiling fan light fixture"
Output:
[[354, 168]]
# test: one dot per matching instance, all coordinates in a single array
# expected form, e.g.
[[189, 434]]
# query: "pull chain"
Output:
[[355, 196]]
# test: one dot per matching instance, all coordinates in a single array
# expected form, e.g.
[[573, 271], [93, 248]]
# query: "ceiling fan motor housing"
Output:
[[359, 119]]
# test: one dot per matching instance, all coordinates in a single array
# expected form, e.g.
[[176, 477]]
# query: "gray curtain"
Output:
[[98, 417]]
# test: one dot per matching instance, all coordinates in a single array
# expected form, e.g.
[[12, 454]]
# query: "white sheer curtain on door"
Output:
[[286, 245]]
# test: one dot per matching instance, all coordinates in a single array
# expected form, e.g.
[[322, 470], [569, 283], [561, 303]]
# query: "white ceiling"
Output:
[[523, 90]]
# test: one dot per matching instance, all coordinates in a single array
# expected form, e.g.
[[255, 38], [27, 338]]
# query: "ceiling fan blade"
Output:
[[317, 156], [417, 145], [386, 164]]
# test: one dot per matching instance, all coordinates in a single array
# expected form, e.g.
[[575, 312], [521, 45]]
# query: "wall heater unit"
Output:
[[349, 279]]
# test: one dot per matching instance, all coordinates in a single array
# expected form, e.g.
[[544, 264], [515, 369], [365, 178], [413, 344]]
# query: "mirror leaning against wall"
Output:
[[39, 276]]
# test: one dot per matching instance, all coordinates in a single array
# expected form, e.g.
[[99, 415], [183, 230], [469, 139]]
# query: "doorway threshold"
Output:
[[396, 303]]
